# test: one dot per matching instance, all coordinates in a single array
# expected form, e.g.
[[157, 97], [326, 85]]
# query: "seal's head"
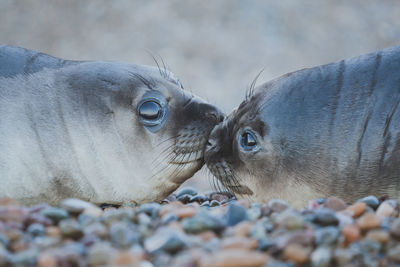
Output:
[[161, 129], [245, 154], [108, 132]]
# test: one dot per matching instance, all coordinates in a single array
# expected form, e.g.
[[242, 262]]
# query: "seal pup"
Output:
[[328, 130], [106, 132]]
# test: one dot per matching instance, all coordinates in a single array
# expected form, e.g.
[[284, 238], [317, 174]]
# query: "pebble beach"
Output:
[[211, 230]]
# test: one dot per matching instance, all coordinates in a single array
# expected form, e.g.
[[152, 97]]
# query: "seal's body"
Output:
[[108, 132], [328, 130]]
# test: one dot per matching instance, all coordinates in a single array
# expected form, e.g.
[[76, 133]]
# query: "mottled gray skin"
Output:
[[72, 129], [329, 130]]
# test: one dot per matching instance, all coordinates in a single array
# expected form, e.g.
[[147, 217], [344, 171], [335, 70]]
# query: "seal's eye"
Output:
[[150, 110], [248, 141]]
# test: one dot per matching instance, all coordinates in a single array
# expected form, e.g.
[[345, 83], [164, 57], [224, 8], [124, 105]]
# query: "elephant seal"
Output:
[[328, 130], [106, 132]]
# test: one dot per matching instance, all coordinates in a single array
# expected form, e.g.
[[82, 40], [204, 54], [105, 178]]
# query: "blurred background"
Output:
[[216, 48]]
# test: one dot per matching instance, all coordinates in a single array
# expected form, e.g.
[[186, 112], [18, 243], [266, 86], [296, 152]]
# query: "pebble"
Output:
[[71, 229], [368, 221], [209, 230], [55, 214], [277, 205], [386, 209], [296, 253], [235, 258], [321, 257], [325, 217], [235, 214], [186, 191], [351, 233], [335, 203], [371, 201], [326, 235], [357, 209]]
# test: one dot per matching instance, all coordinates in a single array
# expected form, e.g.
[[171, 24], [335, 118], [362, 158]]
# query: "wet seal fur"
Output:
[[329, 130], [107, 132]]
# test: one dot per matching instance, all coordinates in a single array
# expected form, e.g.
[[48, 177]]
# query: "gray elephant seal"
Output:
[[107, 132], [328, 130]]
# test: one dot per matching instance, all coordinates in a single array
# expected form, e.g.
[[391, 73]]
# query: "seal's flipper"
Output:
[[16, 60]]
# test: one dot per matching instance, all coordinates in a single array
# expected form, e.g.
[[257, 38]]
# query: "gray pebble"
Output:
[[235, 214], [321, 257], [394, 254], [56, 214], [395, 228], [71, 228], [325, 217], [186, 191], [326, 235], [36, 229], [74, 205], [150, 209], [122, 235], [24, 258], [165, 240], [277, 205], [371, 201], [202, 222]]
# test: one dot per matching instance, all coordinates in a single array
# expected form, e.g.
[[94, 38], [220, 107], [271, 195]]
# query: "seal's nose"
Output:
[[211, 112]]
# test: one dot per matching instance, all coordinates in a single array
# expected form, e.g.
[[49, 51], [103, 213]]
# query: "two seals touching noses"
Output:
[[329, 130], [107, 132]]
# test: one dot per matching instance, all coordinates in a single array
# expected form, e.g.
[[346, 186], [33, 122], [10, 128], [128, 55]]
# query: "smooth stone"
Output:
[[116, 215], [290, 220], [371, 201], [254, 213], [13, 214], [4, 256], [277, 263], [296, 253], [46, 259], [357, 209], [378, 235], [4, 241], [143, 219], [70, 228], [186, 191], [202, 221], [395, 228], [387, 208], [55, 214], [122, 235], [166, 240], [96, 229], [238, 243], [326, 235], [321, 257], [394, 254], [100, 254], [277, 205], [343, 256], [171, 217], [235, 214], [234, 258], [150, 209], [265, 244], [36, 229], [368, 221], [351, 233], [24, 258], [335, 203], [74, 205], [320, 201], [325, 217]]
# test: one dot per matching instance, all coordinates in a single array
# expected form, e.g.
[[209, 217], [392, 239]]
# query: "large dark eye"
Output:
[[150, 110], [248, 141]]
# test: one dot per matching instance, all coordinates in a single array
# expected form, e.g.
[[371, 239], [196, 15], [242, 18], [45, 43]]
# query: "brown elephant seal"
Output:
[[107, 132], [328, 130]]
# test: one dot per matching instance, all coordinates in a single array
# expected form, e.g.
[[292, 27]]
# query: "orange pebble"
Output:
[[239, 242], [369, 221], [242, 228], [185, 212], [351, 233], [357, 209], [297, 253]]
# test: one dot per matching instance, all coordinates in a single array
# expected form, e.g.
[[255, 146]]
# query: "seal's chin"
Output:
[[226, 176]]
